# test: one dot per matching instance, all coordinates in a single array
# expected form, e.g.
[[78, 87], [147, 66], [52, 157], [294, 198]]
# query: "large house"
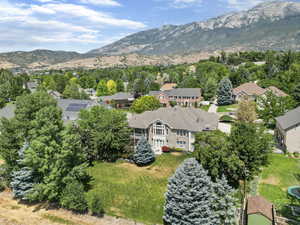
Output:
[[288, 131], [251, 91], [248, 90], [173, 127], [180, 96]]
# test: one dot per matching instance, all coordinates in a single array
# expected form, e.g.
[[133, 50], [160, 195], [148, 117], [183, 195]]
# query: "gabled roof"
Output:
[[118, 96], [71, 107], [190, 119], [290, 119], [249, 89], [168, 86], [259, 205], [188, 92], [276, 91]]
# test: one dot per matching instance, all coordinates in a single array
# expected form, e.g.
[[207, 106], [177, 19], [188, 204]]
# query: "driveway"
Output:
[[213, 108], [224, 127]]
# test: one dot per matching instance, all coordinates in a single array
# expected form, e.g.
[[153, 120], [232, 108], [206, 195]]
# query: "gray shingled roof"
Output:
[[289, 119], [189, 92], [118, 96], [177, 118], [8, 111], [65, 103]]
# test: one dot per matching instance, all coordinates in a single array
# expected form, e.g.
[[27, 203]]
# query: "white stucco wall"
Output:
[[293, 139]]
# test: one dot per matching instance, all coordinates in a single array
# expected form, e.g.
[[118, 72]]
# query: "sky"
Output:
[[82, 25]]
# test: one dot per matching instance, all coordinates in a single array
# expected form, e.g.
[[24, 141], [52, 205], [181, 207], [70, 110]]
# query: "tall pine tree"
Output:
[[189, 198], [143, 154], [225, 96]]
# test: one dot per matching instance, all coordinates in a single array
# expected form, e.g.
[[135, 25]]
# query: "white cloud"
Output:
[[52, 24], [101, 2], [185, 3], [243, 4]]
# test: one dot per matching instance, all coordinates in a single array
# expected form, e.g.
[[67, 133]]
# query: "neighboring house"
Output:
[[182, 96], [119, 100], [168, 86], [173, 127], [8, 111], [288, 131], [32, 86], [276, 91], [247, 90], [260, 211], [54, 94], [251, 91], [71, 108]]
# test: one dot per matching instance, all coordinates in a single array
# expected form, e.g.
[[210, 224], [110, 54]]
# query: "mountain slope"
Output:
[[38, 57], [272, 25]]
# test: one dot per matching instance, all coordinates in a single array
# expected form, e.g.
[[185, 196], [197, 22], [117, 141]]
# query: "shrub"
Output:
[[95, 205], [165, 149], [143, 154], [2, 186], [73, 198], [296, 154]]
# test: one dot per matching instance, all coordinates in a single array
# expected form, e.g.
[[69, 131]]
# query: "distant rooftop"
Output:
[[8, 111], [290, 119]]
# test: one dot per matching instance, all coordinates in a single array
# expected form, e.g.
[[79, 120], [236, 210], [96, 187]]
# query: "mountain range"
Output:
[[272, 25]]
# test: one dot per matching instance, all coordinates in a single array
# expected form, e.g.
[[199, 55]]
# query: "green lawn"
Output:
[[276, 178], [133, 192], [205, 107], [227, 108]]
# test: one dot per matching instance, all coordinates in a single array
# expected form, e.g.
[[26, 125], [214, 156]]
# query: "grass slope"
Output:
[[276, 178], [134, 192], [227, 108]]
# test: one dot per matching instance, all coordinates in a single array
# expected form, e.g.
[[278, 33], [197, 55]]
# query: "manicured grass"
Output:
[[276, 178], [134, 192], [205, 107], [227, 108]]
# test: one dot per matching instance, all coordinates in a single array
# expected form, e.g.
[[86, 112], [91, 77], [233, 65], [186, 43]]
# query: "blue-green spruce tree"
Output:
[[189, 198], [225, 95], [224, 203], [22, 180], [144, 154]]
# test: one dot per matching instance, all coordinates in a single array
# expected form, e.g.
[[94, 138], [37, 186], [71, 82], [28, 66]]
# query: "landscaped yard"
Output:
[[227, 108], [205, 107], [134, 192], [276, 178]]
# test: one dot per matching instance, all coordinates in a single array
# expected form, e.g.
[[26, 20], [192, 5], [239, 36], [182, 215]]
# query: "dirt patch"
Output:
[[154, 171], [271, 180], [14, 213]]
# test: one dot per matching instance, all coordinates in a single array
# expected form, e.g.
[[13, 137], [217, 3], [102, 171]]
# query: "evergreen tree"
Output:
[[22, 180], [225, 96], [189, 198], [224, 202], [143, 154]]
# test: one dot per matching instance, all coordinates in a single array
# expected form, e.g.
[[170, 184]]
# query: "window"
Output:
[[181, 133], [159, 129]]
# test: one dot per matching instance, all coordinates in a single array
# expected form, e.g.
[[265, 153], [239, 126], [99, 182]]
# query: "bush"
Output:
[[95, 205], [173, 149], [73, 198], [2, 186], [165, 149], [143, 155], [296, 154]]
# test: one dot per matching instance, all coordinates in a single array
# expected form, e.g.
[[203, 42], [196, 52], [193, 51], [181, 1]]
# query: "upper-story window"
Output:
[[159, 129], [182, 133]]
